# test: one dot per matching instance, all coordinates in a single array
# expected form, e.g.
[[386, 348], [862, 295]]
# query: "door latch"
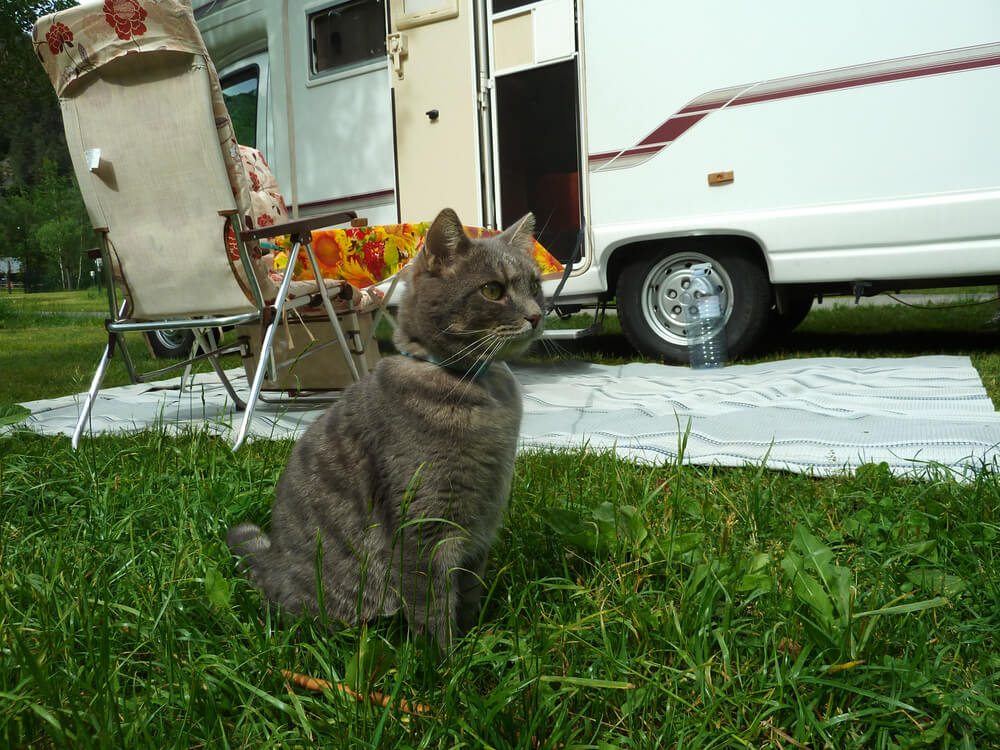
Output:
[[395, 45]]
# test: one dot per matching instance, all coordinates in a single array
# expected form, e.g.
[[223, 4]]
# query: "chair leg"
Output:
[[195, 344], [201, 341], [95, 386], [265, 349], [258, 382], [133, 374], [102, 369]]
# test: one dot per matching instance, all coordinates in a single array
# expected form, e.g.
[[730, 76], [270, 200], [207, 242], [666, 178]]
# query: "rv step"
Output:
[[567, 333]]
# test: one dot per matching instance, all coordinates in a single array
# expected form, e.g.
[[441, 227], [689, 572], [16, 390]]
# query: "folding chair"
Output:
[[160, 172]]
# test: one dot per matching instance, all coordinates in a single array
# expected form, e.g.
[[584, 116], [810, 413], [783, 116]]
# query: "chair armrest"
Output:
[[300, 226]]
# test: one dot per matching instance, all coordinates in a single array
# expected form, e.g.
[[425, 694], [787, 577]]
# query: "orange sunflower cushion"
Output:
[[367, 255]]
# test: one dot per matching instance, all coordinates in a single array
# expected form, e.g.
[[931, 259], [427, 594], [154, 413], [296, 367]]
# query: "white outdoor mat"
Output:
[[817, 416]]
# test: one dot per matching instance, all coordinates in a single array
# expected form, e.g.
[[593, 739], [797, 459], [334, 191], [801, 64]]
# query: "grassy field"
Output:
[[50, 344], [628, 607], [83, 300]]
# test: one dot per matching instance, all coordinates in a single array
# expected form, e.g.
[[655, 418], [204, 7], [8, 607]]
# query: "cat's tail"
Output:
[[245, 541]]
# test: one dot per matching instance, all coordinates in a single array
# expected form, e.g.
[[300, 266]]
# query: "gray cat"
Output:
[[394, 496]]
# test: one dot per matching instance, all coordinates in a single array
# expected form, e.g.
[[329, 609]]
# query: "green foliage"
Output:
[[243, 112], [42, 218], [600, 529], [11, 413], [48, 231], [30, 123]]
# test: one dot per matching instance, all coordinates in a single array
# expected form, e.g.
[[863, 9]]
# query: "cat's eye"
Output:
[[535, 288], [493, 290]]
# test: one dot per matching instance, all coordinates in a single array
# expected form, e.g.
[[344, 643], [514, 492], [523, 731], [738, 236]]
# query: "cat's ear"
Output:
[[445, 239], [519, 234]]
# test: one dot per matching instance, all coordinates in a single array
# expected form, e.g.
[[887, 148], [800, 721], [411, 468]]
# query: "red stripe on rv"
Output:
[[867, 80], [706, 103], [671, 129]]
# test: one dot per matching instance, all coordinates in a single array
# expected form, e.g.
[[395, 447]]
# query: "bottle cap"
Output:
[[701, 269]]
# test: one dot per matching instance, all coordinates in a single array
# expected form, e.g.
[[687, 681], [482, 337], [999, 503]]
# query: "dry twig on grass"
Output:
[[379, 699]]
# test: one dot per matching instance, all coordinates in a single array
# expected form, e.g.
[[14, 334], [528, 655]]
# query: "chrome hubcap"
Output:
[[666, 295]]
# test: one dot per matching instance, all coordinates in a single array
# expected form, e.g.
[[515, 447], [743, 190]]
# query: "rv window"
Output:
[[347, 34], [499, 6], [239, 91]]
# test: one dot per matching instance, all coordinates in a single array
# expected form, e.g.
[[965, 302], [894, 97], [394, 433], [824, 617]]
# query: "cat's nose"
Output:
[[533, 319]]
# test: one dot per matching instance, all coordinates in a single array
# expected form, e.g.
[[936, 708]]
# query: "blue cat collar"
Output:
[[482, 371]]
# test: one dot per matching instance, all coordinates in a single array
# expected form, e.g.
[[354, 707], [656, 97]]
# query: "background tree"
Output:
[[42, 219]]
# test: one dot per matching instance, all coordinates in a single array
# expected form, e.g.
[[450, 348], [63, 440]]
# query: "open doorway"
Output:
[[539, 154]]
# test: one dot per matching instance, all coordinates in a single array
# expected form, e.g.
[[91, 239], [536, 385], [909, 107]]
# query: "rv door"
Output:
[[433, 69], [535, 87]]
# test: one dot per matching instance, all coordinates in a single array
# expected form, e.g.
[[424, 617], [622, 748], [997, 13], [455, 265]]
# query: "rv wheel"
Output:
[[651, 289], [176, 343]]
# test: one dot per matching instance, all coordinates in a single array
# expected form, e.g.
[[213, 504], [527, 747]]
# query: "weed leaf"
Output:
[[12, 413], [217, 588]]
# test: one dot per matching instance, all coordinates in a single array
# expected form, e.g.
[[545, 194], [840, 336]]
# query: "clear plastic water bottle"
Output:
[[706, 332]]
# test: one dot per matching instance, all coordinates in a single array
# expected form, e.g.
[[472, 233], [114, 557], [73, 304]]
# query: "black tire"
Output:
[[651, 293], [175, 343], [797, 307]]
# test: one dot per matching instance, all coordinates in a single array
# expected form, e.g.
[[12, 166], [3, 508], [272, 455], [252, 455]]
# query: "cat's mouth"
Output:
[[514, 341]]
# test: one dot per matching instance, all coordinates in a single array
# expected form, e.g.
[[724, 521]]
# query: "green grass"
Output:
[[50, 346], [629, 606], [82, 300]]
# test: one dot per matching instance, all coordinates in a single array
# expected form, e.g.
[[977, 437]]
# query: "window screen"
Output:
[[347, 34]]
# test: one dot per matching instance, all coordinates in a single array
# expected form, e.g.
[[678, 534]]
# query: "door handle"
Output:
[[395, 45]]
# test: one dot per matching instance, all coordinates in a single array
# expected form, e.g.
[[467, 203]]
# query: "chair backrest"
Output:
[[152, 148]]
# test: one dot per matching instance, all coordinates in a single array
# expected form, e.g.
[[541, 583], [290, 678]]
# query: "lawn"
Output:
[[51, 342], [83, 300], [628, 606]]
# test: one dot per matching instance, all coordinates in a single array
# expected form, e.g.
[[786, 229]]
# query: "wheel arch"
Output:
[[631, 250]]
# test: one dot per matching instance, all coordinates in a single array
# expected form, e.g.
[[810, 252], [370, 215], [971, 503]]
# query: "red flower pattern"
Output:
[[57, 36], [279, 203], [125, 17]]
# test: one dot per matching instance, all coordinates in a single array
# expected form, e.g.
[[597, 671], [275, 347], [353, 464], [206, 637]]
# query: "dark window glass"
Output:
[[347, 34], [239, 90], [499, 6]]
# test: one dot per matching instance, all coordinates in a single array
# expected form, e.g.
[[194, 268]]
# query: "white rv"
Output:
[[801, 148]]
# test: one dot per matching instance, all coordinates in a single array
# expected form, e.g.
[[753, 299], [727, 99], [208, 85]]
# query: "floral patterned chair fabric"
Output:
[[266, 208], [365, 256]]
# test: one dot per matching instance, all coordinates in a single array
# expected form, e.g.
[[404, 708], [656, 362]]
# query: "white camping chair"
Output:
[[158, 165]]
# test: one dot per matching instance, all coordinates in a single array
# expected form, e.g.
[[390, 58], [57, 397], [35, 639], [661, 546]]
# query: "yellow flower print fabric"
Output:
[[367, 255]]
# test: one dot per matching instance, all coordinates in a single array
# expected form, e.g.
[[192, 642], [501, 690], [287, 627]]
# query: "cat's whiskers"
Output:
[[468, 349], [464, 331], [480, 367], [555, 349], [490, 349], [491, 345]]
